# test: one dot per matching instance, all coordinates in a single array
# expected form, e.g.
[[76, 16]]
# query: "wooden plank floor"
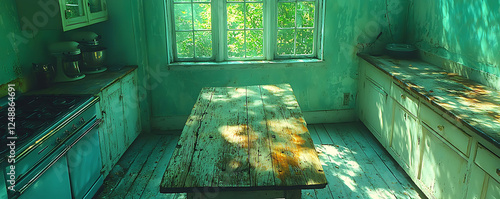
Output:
[[355, 164]]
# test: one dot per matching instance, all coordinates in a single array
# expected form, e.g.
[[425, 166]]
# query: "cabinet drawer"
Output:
[[445, 129], [405, 99], [375, 75], [489, 162]]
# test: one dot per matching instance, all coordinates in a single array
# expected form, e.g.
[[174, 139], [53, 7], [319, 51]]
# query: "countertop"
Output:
[[474, 105], [90, 84]]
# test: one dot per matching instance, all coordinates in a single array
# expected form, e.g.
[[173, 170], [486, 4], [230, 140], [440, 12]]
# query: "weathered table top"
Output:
[[247, 138]]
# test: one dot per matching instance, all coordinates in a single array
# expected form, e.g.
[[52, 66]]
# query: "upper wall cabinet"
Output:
[[60, 14]]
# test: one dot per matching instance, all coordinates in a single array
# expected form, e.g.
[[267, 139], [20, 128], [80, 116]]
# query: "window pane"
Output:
[[235, 16], [182, 0], [202, 16], [286, 42], [254, 15], [203, 43], [305, 14], [184, 44], [235, 44], [183, 18], [286, 15], [255, 41], [305, 42]]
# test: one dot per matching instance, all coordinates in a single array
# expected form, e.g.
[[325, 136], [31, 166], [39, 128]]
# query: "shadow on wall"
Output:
[[462, 31]]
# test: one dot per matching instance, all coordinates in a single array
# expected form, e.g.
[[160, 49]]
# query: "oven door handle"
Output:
[[96, 123], [62, 154], [39, 174]]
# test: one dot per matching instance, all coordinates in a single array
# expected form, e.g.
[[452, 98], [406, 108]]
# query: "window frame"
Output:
[[270, 33]]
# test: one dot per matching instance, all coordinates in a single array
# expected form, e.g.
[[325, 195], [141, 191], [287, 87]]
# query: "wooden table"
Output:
[[244, 139]]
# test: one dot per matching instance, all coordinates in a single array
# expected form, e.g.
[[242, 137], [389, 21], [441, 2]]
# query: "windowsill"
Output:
[[208, 65]]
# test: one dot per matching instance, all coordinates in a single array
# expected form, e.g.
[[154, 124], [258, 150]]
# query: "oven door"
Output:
[[50, 179], [84, 161]]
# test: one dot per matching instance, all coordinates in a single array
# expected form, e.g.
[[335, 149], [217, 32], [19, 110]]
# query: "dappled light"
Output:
[[439, 28], [254, 136], [476, 105]]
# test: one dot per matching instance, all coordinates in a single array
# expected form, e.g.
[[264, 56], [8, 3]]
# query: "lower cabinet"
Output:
[[377, 110], [432, 149], [406, 137], [121, 119], [443, 171], [484, 175]]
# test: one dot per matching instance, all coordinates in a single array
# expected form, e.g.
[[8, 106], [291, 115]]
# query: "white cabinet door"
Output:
[[131, 109], [73, 12], [97, 10], [493, 189], [485, 174], [443, 170], [377, 110], [111, 131], [406, 137]]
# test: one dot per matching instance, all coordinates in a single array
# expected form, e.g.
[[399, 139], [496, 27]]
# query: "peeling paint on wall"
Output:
[[465, 32], [349, 27]]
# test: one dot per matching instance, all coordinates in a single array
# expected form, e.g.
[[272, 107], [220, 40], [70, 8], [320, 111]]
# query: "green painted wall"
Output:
[[19, 49], [9, 55], [349, 27], [467, 32]]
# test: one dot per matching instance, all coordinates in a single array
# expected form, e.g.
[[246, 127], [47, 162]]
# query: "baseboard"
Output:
[[168, 123], [311, 117]]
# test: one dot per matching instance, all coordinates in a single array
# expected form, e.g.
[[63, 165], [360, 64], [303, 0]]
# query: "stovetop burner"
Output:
[[35, 114]]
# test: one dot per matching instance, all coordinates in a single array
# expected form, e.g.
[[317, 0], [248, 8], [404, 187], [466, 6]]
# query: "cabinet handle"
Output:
[[498, 172], [440, 127]]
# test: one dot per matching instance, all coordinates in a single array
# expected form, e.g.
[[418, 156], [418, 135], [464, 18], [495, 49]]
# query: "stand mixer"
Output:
[[93, 54], [68, 57]]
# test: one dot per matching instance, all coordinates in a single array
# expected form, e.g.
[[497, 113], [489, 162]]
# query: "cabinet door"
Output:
[[377, 111], [131, 109], [492, 189], [112, 131], [73, 12], [97, 10], [475, 185], [443, 170], [406, 136]]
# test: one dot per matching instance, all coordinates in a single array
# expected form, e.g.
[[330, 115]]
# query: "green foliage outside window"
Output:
[[245, 28]]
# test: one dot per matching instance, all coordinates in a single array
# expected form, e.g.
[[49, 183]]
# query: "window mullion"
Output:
[[192, 25], [295, 32], [270, 29], [215, 27], [222, 30], [245, 28]]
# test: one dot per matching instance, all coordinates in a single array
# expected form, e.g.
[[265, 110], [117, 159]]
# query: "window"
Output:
[[225, 30]]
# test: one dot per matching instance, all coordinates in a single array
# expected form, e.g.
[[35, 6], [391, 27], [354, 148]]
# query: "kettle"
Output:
[[45, 74]]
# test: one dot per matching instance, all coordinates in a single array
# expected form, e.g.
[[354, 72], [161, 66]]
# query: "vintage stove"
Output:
[[49, 131]]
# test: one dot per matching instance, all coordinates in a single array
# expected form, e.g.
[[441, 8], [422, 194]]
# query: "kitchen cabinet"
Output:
[[457, 139], [485, 175], [435, 150], [406, 130], [60, 14], [121, 119], [443, 171], [405, 140], [375, 105], [131, 109]]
